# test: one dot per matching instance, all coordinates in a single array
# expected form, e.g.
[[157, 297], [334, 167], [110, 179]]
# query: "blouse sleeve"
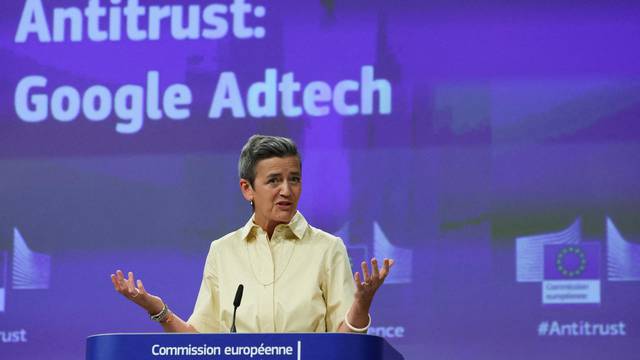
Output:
[[339, 287], [205, 317]]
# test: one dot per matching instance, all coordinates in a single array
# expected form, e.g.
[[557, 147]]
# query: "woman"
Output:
[[296, 278]]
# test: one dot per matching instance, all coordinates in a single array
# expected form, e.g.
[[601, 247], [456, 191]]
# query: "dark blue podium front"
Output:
[[299, 346]]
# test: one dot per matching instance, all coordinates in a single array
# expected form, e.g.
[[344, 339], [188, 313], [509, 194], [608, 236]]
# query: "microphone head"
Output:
[[238, 298]]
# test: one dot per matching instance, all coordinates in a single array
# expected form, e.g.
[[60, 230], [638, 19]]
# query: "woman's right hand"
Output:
[[135, 292]]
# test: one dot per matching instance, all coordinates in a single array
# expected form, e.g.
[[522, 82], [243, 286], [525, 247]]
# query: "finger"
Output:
[[116, 282], [356, 278], [130, 283], [122, 281], [365, 271], [119, 275], [374, 268], [141, 287], [113, 280], [385, 268]]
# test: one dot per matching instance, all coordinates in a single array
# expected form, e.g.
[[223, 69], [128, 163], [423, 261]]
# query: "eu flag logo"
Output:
[[571, 274], [572, 262]]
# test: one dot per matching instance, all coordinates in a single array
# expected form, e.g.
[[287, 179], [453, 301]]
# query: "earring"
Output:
[[251, 202]]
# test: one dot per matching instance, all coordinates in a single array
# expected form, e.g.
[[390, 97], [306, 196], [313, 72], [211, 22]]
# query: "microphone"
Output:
[[236, 304]]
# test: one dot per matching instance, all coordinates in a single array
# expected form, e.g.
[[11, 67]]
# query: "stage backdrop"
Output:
[[492, 149]]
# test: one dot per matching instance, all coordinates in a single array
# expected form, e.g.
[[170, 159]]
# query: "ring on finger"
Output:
[[137, 292]]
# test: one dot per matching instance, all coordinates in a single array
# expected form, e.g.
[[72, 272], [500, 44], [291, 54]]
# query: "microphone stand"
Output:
[[236, 304]]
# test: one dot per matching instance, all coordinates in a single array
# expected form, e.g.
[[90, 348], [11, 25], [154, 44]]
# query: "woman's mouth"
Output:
[[284, 205]]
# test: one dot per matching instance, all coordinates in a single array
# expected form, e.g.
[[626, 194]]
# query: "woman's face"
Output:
[[275, 192]]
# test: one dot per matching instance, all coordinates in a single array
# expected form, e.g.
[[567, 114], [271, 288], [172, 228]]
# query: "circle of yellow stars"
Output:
[[568, 251]]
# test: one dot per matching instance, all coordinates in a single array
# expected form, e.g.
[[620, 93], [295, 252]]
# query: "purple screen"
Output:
[[490, 148]]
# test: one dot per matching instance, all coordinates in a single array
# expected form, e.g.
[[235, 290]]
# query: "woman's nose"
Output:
[[285, 189]]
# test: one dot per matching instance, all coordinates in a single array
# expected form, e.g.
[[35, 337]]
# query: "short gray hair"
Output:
[[260, 147]]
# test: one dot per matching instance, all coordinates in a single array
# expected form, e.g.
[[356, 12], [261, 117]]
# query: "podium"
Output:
[[292, 346]]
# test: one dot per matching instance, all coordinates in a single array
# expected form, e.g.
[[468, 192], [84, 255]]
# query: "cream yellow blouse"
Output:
[[300, 281]]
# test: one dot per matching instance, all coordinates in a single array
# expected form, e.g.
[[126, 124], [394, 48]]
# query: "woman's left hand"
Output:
[[368, 283]]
